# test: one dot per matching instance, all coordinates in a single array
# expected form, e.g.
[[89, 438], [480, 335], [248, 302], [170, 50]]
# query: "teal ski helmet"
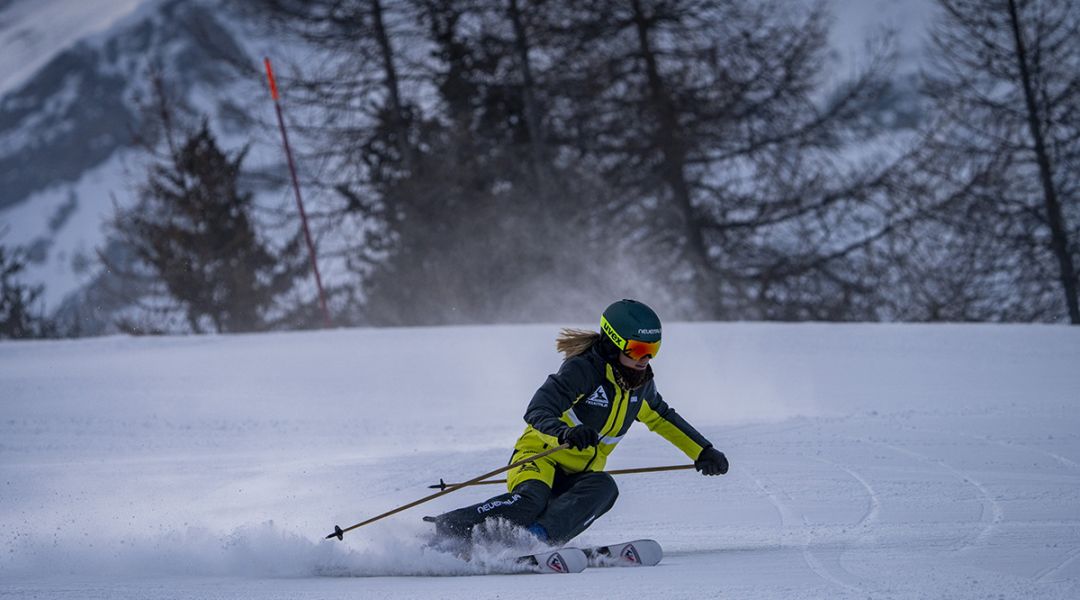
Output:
[[633, 327]]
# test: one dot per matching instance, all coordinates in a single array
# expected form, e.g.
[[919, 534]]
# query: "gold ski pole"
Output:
[[442, 485], [339, 533]]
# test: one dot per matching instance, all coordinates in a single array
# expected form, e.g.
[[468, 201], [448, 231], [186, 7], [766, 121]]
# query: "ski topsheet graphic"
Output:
[[638, 553], [563, 560]]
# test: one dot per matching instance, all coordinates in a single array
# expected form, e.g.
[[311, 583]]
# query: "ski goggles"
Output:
[[635, 349], [638, 350]]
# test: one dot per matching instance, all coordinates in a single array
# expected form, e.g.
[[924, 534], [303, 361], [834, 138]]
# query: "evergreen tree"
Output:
[[18, 319], [193, 231]]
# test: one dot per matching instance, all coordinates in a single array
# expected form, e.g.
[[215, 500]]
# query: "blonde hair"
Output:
[[572, 342]]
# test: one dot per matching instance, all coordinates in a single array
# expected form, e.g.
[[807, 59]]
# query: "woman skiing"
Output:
[[604, 385]]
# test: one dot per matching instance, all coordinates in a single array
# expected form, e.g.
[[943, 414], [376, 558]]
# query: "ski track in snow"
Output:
[[1011, 445], [873, 509], [990, 516], [838, 574], [788, 516], [1063, 460], [865, 524], [1047, 574]]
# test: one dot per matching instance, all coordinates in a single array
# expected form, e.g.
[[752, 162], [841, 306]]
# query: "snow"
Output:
[[880, 461], [32, 32], [70, 222]]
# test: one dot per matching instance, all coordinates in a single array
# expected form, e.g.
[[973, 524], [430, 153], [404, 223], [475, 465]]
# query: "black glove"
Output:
[[580, 437], [711, 462]]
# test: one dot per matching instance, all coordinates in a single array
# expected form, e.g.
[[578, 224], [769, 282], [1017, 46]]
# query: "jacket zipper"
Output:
[[616, 421]]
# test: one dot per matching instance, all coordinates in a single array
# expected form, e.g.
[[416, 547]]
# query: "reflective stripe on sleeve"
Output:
[[573, 417]]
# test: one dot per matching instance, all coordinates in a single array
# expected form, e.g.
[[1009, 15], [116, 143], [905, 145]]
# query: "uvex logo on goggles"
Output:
[[635, 349]]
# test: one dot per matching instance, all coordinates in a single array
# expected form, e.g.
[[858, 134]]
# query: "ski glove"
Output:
[[580, 437], [711, 462]]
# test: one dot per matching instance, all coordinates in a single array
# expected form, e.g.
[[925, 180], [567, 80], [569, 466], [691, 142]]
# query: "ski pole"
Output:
[[339, 533], [442, 485]]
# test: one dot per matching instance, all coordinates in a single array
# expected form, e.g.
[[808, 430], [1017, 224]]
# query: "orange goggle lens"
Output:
[[639, 350]]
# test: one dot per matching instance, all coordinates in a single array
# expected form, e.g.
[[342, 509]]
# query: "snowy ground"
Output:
[[867, 462], [34, 31]]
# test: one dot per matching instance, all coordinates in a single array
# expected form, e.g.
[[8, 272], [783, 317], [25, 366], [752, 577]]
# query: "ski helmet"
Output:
[[633, 327]]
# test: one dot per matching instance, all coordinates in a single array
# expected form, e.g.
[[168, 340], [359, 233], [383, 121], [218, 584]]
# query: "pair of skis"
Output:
[[638, 553]]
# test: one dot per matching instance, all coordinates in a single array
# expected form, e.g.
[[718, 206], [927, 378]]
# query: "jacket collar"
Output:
[[626, 378]]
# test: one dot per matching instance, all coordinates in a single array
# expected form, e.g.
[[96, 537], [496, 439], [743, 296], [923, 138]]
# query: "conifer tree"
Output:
[[193, 230], [17, 316]]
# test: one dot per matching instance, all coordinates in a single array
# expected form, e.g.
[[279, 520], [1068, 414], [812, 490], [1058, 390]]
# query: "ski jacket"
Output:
[[585, 391]]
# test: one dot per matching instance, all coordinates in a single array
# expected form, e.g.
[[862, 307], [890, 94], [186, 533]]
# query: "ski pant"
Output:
[[564, 510]]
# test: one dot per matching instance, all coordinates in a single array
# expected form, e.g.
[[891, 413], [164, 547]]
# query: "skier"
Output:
[[604, 385]]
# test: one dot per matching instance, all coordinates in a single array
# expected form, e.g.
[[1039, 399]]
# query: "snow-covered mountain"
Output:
[[32, 32], [75, 82], [68, 132], [85, 104]]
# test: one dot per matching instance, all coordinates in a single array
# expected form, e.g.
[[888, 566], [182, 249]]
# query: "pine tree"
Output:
[[17, 316], [193, 230]]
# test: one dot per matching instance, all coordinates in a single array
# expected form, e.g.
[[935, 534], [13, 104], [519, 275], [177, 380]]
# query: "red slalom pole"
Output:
[[296, 186]]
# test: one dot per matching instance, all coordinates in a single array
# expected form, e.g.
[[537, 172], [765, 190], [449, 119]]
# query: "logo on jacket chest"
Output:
[[598, 398]]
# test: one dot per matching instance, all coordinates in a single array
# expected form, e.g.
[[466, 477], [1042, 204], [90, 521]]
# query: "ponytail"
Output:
[[572, 342]]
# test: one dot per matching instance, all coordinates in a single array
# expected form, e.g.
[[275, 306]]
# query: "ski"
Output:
[[638, 553], [563, 560]]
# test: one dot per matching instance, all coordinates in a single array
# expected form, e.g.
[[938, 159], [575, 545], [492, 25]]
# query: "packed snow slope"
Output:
[[867, 461]]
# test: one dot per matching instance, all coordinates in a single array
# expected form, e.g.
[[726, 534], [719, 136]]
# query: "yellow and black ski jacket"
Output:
[[586, 391]]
